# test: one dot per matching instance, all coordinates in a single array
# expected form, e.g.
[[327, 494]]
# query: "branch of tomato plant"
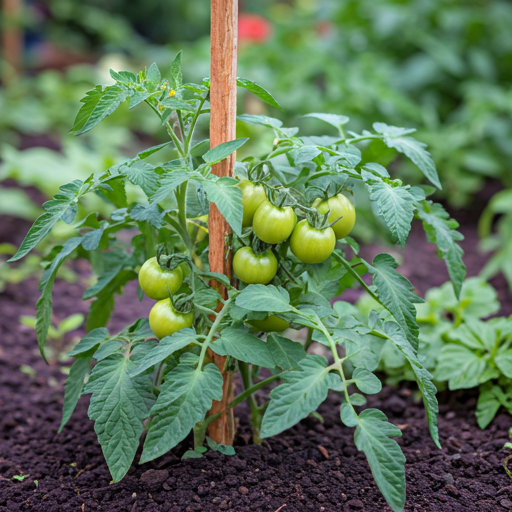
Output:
[[359, 279], [256, 415]]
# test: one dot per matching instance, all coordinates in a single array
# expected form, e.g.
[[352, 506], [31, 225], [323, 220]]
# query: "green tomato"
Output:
[[270, 324], [254, 268], [252, 197], [340, 206], [312, 245], [155, 281], [273, 225], [164, 320]]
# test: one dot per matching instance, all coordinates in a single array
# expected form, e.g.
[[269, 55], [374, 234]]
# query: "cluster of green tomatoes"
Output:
[[271, 225], [274, 225]]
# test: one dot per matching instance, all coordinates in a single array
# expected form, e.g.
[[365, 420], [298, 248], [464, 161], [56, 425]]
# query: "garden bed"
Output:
[[313, 466]]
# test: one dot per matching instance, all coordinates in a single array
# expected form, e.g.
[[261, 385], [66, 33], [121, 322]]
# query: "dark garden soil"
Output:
[[313, 466]]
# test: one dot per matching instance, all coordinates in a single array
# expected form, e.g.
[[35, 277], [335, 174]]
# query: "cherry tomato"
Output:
[[254, 268], [252, 196], [164, 320], [340, 206], [155, 281], [273, 225], [270, 324], [312, 245]]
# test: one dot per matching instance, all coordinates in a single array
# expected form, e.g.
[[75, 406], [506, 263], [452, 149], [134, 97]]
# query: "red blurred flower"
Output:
[[253, 28]]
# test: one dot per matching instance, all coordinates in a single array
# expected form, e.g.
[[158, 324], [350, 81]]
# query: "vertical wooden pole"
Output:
[[12, 39], [224, 26]]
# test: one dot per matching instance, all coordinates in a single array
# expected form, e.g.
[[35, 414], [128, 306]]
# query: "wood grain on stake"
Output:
[[224, 14]]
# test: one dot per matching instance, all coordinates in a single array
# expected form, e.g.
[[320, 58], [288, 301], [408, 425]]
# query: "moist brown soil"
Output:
[[312, 466]]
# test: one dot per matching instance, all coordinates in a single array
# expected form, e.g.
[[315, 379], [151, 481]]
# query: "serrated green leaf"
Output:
[[442, 232], [137, 98], [393, 137], [139, 173], [89, 341], [286, 353], [186, 396], [300, 394], [119, 405], [222, 151], [387, 462], [397, 294], [74, 385], [96, 108], [90, 101], [258, 91], [227, 196], [258, 297], [243, 346], [396, 205], [170, 181], [428, 390], [153, 74], [55, 209], [164, 349]]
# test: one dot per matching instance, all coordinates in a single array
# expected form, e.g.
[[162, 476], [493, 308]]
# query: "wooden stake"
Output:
[[12, 39], [224, 26]]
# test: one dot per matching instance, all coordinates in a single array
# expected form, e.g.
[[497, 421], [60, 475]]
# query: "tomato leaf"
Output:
[[300, 394], [366, 381], [89, 341], [119, 404], [185, 398], [62, 206], [243, 346], [397, 294], [386, 460], [259, 91], [286, 353], [393, 137], [222, 151], [75, 384], [441, 230], [258, 297], [164, 349], [224, 193], [333, 119]]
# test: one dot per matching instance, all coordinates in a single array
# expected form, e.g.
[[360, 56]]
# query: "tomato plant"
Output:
[[154, 377]]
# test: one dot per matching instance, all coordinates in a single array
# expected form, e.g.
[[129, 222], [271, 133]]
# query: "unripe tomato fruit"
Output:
[[340, 206], [273, 225], [270, 324], [164, 320], [312, 245], [254, 268], [252, 197], [155, 281]]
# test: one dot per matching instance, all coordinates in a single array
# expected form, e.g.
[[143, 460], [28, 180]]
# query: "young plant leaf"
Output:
[[57, 208], [222, 151], [89, 341], [243, 346], [119, 404], [396, 205], [287, 354], [386, 460], [259, 91], [397, 294], [176, 74], [164, 349], [333, 119], [393, 137], [366, 381], [185, 398], [75, 384], [258, 297], [300, 394], [228, 199], [441, 230], [258, 120]]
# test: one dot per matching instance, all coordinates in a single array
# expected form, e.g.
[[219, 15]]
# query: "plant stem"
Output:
[[309, 339], [255, 418]]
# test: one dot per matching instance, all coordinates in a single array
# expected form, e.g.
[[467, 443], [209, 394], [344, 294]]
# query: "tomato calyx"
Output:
[[182, 303]]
